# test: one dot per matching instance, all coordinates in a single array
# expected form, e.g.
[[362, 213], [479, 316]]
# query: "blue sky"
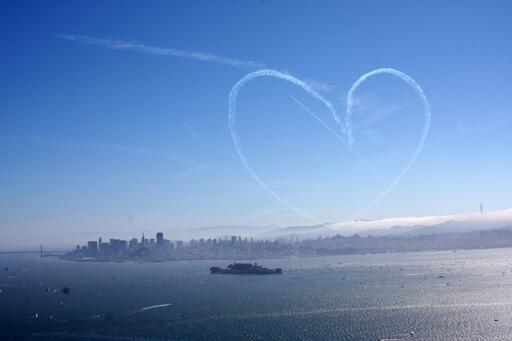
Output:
[[94, 137]]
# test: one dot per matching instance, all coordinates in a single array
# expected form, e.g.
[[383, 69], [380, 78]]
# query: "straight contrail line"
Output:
[[168, 51], [325, 125], [113, 44]]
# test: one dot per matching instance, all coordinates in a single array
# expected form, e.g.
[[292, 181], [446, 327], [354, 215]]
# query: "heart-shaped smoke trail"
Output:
[[426, 124], [346, 127], [233, 94]]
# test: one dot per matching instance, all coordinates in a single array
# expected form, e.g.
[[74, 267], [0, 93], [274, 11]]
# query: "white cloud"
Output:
[[382, 224]]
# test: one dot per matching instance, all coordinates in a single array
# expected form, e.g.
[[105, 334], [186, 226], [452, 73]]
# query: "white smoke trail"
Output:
[[123, 45], [426, 125], [346, 126], [233, 94], [171, 52], [316, 117]]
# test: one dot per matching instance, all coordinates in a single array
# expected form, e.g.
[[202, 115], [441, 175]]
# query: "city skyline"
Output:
[[483, 220], [295, 244], [160, 249]]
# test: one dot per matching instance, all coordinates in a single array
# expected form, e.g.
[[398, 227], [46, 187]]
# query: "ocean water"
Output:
[[463, 295]]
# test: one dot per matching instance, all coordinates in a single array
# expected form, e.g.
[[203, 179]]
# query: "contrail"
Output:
[[332, 131], [135, 46], [316, 117], [346, 126], [173, 52], [233, 94], [426, 125]]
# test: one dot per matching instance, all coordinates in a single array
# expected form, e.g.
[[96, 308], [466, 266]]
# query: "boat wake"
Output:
[[151, 307]]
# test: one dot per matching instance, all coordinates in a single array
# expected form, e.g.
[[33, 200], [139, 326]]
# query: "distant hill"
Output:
[[411, 226], [459, 223]]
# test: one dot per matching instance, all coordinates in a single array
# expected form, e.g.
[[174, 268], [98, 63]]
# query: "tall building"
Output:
[[104, 247], [159, 240], [118, 245], [133, 243], [166, 246], [92, 247]]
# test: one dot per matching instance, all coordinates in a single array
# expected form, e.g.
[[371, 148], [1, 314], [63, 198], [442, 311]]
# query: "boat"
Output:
[[245, 269]]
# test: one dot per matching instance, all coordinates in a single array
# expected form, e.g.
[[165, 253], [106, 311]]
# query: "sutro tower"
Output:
[[481, 208]]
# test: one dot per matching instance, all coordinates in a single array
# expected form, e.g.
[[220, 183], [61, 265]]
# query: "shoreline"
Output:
[[380, 252]]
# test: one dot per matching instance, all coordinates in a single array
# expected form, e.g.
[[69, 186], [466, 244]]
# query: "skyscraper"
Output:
[[159, 240], [92, 247]]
